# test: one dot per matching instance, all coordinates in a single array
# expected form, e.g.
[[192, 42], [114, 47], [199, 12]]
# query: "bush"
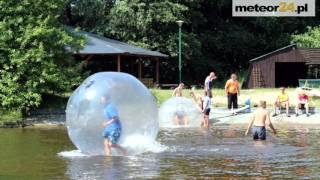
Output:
[[35, 53]]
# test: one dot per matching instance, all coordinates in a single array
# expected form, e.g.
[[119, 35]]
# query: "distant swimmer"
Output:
[[208, 83], [177, 92], [282, 99], [206, 109], [303, 102], [112, 127], [259, 119]]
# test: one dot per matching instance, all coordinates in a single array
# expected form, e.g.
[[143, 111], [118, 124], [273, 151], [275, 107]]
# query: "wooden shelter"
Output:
[[282, 67], [104, 54]]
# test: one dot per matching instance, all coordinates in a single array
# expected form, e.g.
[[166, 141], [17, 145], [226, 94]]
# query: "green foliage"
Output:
[[152, 25], [33, 55], [88, 14], [212, 39], [9, 115], [33, 42], [309, 39]]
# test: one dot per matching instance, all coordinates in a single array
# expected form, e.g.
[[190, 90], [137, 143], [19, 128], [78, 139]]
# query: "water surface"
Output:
[[222, 151]]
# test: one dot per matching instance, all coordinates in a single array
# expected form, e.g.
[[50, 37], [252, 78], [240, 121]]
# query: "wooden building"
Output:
[[282, 67], [104, 54]]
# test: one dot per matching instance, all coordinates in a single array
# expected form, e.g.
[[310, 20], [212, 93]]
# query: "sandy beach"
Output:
[[313, 119]]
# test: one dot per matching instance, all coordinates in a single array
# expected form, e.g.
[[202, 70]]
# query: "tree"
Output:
[[152, 25], [90, 15], [309, 39], [35, 52], [212, 39]]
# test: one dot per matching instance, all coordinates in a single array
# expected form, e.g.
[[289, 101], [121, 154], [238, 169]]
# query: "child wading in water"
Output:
[[206, 109], [112, 127], [259, 119]]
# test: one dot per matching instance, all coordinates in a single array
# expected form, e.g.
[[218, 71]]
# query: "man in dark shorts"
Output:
[[259, 119], [112, 127]]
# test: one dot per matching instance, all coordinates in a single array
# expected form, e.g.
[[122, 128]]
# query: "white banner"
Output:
[[253, 8]]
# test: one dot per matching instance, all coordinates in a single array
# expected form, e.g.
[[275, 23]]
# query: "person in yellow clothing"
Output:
[[282, 99], [232, 90]]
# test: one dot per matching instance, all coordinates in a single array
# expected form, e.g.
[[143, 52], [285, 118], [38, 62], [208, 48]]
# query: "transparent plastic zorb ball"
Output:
[[180, 112], [85, 111]]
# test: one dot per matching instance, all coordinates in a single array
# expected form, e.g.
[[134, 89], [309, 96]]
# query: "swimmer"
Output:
[[197, 99], [180, 118], [177, 92], [259, 119], [112, 127], [282, 99], [206, 109]]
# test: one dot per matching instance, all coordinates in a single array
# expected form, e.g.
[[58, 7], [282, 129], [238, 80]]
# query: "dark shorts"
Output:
[[259, 133], [112, 135], [207, 112], [302, 106]]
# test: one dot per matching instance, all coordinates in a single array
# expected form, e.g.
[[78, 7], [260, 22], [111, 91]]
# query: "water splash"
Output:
[[135, 144]]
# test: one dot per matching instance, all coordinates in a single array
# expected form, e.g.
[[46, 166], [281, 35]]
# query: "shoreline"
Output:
[[241, 119]]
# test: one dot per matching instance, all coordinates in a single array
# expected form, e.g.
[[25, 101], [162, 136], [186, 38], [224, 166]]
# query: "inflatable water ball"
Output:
[[179, 111], [136, 106]]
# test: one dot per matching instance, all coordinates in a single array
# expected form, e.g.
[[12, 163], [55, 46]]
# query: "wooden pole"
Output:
[[119, 63], [140, 68], [157, 70]]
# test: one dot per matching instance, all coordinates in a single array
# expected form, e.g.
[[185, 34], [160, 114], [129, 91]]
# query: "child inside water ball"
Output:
[[112, 127], [181, 118]]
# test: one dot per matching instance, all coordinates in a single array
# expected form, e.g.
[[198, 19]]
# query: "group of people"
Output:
[[204, 102], [259, 119], [283, 101], [232, 90]]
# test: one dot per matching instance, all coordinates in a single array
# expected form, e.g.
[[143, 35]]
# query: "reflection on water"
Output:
[[31, 153], [222, 151]]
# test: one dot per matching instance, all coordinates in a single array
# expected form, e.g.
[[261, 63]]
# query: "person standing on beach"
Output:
[[259, 119], [232, 90], [208, 83], [177, 92]]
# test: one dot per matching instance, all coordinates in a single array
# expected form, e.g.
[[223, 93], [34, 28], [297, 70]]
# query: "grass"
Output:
[[220, 99]]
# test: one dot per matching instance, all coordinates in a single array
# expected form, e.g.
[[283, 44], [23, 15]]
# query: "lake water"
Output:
[[222, 151]]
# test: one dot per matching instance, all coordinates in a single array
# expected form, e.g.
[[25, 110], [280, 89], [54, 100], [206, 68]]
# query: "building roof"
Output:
[[104, 46], [310, 55], [273, 52]]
